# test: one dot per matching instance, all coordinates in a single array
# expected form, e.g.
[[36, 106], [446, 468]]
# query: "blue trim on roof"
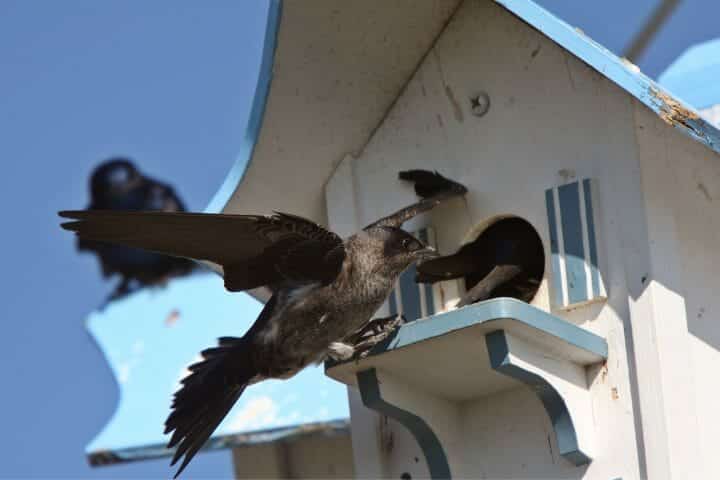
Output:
[[562, 424], [339, 427], [608, 64], [242, 161], [432, 448], [595, 55]]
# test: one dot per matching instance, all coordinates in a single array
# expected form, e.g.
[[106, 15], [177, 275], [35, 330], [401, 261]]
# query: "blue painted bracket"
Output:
[[371, 396], [501, 360], [419, 376]]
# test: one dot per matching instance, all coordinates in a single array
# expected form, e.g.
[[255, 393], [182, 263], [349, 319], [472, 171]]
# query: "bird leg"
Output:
[[360, 343], [377, 326], [340, 351], [374, 332], [483, 289]]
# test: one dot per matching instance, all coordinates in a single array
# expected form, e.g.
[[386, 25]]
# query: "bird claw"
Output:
[[340, 351], [374, 332]]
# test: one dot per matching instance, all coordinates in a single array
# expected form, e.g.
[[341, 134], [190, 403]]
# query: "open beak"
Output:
[[426, 253]]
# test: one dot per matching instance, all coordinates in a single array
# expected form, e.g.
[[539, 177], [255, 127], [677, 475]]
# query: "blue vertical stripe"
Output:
[[592, 239], [569, 196], [410, 295], [554, 248], [429, 299], [392, 304]]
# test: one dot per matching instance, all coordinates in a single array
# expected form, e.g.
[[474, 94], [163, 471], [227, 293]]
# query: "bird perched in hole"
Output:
[[116, 184], [506, 260], [325, 291]]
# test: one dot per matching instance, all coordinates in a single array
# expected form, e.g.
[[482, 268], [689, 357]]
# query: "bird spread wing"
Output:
[[432, 187], [254, 250]]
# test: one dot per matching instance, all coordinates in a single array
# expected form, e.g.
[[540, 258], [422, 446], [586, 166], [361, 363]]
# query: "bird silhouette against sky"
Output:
[[117, 184]]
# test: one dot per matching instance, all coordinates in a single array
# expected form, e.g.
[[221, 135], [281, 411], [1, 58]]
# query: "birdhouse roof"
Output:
[[693, 75], [332, 70]]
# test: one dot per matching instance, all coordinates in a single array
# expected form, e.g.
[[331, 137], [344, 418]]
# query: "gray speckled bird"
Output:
[[325, 291]]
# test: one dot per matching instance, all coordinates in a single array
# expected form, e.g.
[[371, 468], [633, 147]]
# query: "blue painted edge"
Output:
[[410, 294], [552, 401], [237, 171], [592, 237], [126, 455], [554, 247], [575, 277], [608, 64], [392, 303], [432, 448], [488, 311]]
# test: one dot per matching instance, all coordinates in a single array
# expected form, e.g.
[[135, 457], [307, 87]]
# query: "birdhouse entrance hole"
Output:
[[510, 260]]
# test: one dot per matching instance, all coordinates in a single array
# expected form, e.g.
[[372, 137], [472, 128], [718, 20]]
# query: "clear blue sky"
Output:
[[168, 83]]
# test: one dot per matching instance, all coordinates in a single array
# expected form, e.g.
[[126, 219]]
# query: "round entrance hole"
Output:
[[508, 255], [506, 259]]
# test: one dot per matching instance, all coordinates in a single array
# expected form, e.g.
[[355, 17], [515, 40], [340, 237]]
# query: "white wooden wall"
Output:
[[313, 457], [679, 348], [552, 119]]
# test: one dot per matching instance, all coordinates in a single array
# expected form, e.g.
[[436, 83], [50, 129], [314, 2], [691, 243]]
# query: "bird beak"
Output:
[[426, 253]]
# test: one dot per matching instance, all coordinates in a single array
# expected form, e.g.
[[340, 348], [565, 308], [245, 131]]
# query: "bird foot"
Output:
[[340, 351], [359, 344], [374, 332]]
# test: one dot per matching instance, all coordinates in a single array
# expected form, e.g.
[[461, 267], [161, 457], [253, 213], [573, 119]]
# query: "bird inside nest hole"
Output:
[[506, 259]]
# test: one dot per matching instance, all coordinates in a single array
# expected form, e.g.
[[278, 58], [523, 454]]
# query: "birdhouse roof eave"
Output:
[[322, 92]]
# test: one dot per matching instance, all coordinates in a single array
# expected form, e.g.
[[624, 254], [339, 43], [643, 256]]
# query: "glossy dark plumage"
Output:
[[325, 292], [506, 260], [118, 185]]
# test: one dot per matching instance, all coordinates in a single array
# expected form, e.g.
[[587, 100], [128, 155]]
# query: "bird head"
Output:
[[113, 177], [399, 248]]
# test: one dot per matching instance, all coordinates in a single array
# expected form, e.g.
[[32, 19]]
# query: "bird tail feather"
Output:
[[207, 394]]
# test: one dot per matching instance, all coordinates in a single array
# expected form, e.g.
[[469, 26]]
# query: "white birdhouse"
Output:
[[602, 365], [598, 370]]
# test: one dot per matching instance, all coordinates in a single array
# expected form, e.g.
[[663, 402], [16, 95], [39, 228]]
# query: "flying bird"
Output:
[[506, 260], [117, 184], [325, 291]]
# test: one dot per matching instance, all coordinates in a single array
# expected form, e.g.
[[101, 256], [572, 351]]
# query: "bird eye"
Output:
[[405, 242]]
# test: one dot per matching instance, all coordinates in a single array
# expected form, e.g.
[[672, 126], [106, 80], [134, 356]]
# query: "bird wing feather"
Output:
[[254, 250]]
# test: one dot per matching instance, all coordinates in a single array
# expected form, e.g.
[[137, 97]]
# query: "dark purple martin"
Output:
[[117, 184], [326, 291], [506, 260]]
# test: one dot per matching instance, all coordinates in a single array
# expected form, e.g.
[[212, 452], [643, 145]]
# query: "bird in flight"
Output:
[[117, 184], [325, 291]]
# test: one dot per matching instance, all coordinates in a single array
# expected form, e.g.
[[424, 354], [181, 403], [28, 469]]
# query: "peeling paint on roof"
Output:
[[621, 72], [671, 110]]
